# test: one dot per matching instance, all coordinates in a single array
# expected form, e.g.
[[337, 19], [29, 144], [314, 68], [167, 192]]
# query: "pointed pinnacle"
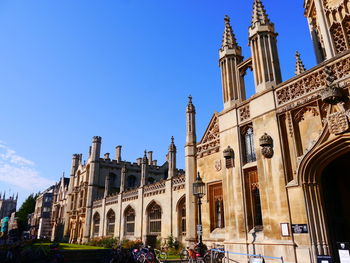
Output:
[[228, 38], [299, 66], [190, 106], [259, 14]]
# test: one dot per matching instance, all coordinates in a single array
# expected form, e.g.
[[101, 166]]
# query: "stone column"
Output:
[[191, 170]]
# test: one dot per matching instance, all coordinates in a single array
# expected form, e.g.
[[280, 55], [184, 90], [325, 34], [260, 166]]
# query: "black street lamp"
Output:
[[199, 192]]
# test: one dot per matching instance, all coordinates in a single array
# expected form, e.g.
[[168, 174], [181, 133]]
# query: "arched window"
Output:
[[253, 203], [110, 223], [182, 217], [131, 181], [96, 225], [248, 143], [155, 219], [129, 221]]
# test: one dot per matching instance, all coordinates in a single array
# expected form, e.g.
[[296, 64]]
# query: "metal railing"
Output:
[[251, 256]]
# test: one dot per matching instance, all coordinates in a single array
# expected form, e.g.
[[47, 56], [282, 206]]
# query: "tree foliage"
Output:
[[26, 208]]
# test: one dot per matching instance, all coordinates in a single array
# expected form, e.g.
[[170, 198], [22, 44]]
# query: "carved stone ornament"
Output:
[[218, 165], [228, 153], [266, 142], [267, 151], [338, 122], [331, 95]]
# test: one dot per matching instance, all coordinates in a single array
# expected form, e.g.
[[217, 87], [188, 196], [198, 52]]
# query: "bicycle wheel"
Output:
[[184, 255], [207, 259], [141, 258], [163, 256], [219, 257]]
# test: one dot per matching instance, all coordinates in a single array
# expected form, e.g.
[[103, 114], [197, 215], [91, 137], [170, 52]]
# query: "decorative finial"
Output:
[[299, 66], [172, 146], [227, 19], [228, 38], [259, 14], [190, 106]]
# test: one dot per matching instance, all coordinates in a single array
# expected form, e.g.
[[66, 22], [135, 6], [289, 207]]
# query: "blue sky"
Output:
[[120, 69]]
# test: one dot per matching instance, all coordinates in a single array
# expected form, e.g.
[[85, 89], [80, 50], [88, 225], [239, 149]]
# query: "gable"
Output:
[[210, 142]]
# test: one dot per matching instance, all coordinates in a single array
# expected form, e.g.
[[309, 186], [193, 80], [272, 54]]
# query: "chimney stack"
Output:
[[118, 153], [150, 153]]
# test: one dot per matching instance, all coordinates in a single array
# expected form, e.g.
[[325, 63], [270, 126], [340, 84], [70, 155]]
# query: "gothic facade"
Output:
[[275, 165], [112, 197]]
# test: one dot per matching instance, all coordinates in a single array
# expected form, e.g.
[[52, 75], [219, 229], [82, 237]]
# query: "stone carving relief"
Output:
[[244, 112], [311, 82], [266, 142], [218, 165], [210, 142], [338, 122], [299, 116], [332, 4]]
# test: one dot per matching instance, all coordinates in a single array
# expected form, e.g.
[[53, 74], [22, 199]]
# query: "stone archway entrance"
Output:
[[324, 175], [335, 188]]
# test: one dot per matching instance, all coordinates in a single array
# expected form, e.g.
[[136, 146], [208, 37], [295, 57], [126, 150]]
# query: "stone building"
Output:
[[40, 220], [7, 206], [111, 197], [59, 204], [275, 165]]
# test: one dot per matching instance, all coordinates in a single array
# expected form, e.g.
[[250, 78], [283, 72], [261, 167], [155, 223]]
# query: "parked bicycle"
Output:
[[192, 255], [144, 255], [161, 255]]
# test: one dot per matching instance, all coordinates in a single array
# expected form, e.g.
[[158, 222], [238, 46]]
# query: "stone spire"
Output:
[[144, 169], [190, 122], [259, 14], [172, 146], [230, 55], [172, 159], [190, 106], [299, 66], [263, 44], [228, 38]]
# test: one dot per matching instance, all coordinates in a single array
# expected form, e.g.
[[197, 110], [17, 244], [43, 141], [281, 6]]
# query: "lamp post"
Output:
[[199, 192]]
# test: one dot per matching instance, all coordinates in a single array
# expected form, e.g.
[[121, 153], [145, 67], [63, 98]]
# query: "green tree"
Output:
[[26, 208]]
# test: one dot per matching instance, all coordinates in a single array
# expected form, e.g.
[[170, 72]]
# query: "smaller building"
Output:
[[41, 220]]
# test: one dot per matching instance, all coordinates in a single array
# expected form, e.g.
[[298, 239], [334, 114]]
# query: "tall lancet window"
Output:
[[216, 204], [248, 144], [96, 225]]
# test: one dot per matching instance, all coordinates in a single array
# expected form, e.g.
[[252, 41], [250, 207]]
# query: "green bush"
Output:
[[131, 244], [106, 242]]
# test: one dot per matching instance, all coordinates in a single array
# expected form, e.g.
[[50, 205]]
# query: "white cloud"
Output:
[[19, 171]]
